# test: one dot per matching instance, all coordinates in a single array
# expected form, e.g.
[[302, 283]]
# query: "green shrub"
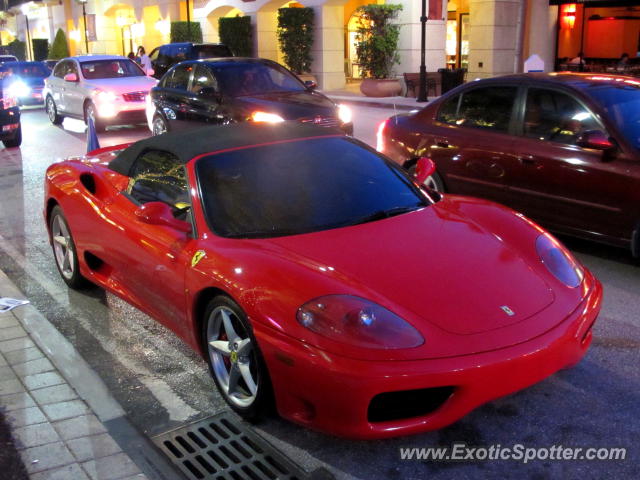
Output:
[[40, 49], [377, 47], [180, 32], [59, 48], [295, 36], [237, 34], [17, 49]]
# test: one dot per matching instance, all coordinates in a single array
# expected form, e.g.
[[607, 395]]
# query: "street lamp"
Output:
[[422, 90], [25, 10], [84, 18]]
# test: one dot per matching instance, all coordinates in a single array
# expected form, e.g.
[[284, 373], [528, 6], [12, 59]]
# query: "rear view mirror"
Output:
[[159, 213], [71, 77], [595, 139], [424, 169]]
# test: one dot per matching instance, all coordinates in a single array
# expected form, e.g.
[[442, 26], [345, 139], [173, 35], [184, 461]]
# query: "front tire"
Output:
[[90, 112], [16, 141], [64, 250], [234, 359], [159, 125], [52, 111]]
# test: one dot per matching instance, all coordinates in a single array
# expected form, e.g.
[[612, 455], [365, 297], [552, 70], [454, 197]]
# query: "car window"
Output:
[[157, 176], [25, 69], [179, 78], [449, 110], [60, 69], [202, 78], [238, 79], [178, 53], [487, 108], [153, 56], [116, 68], [556, 116]]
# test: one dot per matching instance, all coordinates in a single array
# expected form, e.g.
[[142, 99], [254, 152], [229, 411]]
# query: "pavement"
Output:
[[59, 410]]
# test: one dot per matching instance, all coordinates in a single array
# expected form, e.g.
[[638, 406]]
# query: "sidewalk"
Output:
[[58, 428], [351, 95]]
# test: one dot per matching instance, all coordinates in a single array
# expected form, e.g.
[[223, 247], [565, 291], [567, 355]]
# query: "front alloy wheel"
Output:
[[64, 249], [52, 111], [159, 125], [234, 359]]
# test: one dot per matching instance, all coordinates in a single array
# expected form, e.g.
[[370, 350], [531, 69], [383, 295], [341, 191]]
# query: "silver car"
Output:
[[108, 88]]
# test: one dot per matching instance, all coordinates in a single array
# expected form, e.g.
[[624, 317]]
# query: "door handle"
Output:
[[443, 144]]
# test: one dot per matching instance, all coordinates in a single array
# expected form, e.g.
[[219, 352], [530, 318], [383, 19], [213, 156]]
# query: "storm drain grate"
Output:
[[221, 448]]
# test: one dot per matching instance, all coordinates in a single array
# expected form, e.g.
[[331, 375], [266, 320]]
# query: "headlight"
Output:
[[344, 114], [19, 89], [103, 96], [266, 117], [357, 322], [559, 261]]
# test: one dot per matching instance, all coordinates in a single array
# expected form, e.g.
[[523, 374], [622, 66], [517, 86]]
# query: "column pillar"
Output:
[[328, 47]]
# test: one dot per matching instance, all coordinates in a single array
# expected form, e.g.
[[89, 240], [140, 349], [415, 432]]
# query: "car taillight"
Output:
[[379, 136], [9, 102]]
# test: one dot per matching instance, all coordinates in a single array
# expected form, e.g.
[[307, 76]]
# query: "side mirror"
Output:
[[595, 139], [71, 77], [310, 84], [159, 213], [424, 169]]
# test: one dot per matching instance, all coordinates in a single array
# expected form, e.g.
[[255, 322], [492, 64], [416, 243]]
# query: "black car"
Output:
[[25, 80], [165, 56], [230, 90], [10, 128]]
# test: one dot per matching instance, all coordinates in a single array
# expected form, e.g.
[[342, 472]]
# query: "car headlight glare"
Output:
[[266, 117], [19, 89], [104, 96], [358, 322], [344, 114], [559, 261]]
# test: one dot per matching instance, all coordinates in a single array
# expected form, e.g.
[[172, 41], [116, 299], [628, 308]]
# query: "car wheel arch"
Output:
[[51, 204], [199, 306]]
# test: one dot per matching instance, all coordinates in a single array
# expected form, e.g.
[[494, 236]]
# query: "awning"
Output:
[[598, 3]]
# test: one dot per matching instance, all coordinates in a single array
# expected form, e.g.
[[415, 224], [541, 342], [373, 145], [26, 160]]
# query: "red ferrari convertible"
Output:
[[313, 273]]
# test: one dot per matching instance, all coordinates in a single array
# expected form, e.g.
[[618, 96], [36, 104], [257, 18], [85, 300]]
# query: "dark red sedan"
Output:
[[561, 148]]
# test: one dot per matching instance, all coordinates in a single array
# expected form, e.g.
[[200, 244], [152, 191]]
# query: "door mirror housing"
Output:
[[424, 169], [595, 139], [310, 85], [159, 213], [71, 77]]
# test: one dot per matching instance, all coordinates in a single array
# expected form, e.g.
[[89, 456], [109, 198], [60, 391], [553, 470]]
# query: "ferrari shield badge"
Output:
[[199, 255]]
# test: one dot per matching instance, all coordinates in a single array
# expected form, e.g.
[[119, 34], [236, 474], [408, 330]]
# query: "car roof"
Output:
[[571, 79], [185, 145], [88, 58]]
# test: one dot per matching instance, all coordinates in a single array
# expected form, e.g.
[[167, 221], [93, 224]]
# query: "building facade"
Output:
[[487, 37]]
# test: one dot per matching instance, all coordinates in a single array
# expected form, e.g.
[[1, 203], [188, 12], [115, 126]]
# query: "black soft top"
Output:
[[186, 145]]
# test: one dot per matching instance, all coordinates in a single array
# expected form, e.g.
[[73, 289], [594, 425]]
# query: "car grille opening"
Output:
[[134, 96], [390, 406], [322, 121]]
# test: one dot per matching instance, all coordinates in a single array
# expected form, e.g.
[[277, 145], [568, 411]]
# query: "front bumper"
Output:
[[332, 394], [9, 122]]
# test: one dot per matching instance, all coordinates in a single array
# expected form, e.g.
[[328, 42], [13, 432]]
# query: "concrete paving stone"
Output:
[[6, 373], [79, 427], [3, 362], [25, 416], [41, 380], [140, 476], [12, 332], [8, 321], [16, 401], [10, 386], [62, 410], [68, 472], [35, 435], [111, 468], [93, 447], [16, 344], [21, 356], [32, 367], [55, 394], [46, 457]]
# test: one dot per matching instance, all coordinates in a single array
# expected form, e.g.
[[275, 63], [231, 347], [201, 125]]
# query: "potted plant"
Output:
[[295, 36], [377, 49]]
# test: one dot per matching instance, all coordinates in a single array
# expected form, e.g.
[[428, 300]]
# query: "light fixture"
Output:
[[569, 15], [163, 26], [74, 35]]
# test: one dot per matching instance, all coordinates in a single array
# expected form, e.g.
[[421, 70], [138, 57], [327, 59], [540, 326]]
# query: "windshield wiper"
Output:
[[382, 214]]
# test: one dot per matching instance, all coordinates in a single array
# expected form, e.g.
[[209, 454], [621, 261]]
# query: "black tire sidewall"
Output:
[[76, 280], [57, 120]]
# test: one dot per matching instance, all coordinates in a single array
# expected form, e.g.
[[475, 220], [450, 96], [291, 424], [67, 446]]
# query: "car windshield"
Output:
[[622, 103], [116, 68], [238, 79], [301, 186], [26, 70]]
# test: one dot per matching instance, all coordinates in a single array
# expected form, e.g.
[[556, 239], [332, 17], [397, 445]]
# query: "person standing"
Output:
[[145, 61]]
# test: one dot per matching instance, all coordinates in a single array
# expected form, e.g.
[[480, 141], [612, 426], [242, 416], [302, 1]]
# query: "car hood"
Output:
[[442, 267], [122, 85], [289, 105]]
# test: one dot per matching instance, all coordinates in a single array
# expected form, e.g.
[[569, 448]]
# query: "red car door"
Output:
[[560, 183]]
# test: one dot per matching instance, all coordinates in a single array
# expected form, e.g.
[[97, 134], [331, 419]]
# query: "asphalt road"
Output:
[[161, 384]]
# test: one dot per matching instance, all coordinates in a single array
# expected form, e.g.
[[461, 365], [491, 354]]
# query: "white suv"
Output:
[[108, 88]]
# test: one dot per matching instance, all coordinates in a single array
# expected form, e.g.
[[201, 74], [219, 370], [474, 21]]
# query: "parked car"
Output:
[[111, 89], [25, 80], [304, 266], [230, 90], [10, 127], [562, 148], [165, 56], [7, 58]]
